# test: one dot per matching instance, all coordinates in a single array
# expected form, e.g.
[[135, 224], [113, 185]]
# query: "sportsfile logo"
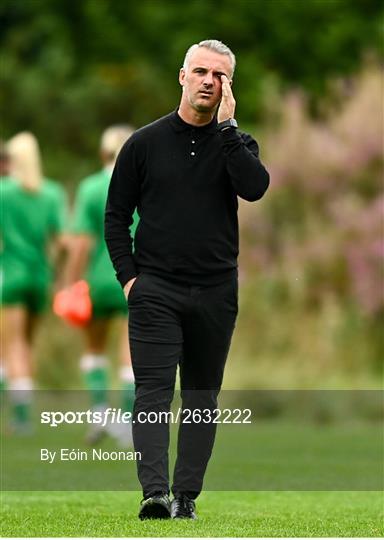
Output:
[[117, 416], [102, 418]]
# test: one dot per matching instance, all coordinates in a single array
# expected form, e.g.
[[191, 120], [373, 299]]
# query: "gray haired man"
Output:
[[184, 173]]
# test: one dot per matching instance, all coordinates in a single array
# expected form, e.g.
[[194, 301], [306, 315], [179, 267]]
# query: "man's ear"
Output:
[[181, 76]]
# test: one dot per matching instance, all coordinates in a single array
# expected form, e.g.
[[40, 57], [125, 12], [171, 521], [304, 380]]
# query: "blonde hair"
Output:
[[113, 139], [25, 160]]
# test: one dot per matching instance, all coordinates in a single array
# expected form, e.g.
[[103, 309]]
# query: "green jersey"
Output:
[[29, 220], [89, 219], [6, 178]]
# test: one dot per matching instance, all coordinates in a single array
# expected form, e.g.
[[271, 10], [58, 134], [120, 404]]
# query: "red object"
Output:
[[74, 304]]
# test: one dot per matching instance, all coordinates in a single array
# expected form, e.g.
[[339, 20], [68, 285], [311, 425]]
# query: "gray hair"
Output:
[[214, 45]]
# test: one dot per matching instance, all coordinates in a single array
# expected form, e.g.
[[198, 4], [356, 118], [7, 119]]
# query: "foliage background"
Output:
[[308, 87]]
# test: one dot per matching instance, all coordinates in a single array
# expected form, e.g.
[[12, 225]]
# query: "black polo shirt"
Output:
[[184, 181]]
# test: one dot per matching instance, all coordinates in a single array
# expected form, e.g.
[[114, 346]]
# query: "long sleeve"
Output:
[[248, 175], [123, 197], [184, 181]]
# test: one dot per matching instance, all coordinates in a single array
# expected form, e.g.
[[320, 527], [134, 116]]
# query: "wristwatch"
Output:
[[230, 123]]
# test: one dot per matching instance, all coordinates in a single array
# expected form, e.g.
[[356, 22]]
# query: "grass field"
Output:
[[233, 514], [282, 472], [267, 456]]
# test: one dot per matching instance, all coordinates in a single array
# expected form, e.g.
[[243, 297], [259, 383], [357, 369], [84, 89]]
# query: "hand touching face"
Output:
[[202, 79], [228, 103]]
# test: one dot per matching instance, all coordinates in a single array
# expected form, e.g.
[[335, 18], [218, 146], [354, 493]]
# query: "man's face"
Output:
[[201, 80]]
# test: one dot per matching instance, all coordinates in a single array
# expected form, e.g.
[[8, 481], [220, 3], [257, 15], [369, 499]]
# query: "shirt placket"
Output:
[[193, 145]]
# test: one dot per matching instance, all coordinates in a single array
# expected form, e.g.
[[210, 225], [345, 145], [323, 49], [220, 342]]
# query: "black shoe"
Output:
[[155, 507], [183, 507]]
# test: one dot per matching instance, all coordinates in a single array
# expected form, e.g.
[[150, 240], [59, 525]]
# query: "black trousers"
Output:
[[173, 324]]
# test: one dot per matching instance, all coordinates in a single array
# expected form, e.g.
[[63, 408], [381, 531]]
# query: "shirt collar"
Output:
[[179, 125]]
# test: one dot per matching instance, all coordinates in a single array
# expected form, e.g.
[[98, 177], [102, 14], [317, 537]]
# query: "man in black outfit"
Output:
[[184, 173]]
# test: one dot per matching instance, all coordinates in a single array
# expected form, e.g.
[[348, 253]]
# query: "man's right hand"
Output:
[[127, 287]]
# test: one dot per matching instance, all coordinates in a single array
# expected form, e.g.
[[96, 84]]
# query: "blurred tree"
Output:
[[70, 68], [310, 252]]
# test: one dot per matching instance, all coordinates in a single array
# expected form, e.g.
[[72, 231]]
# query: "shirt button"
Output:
[[192, 153], [193, 142]]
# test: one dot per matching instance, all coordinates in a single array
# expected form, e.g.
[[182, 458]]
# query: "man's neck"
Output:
[[195, 118]]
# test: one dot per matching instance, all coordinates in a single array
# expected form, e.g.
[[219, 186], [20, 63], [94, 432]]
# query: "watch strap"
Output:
[[230, 123]]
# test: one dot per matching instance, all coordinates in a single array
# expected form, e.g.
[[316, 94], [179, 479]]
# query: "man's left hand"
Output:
[[228, 103]]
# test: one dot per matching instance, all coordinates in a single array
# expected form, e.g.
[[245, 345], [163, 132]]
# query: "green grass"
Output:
[[233, 514], [288, 458], [269, 456], [276, 455]]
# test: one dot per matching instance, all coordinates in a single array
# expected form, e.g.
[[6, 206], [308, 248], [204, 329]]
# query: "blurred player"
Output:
[[4, 176], [32, 221], [89, 259]]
